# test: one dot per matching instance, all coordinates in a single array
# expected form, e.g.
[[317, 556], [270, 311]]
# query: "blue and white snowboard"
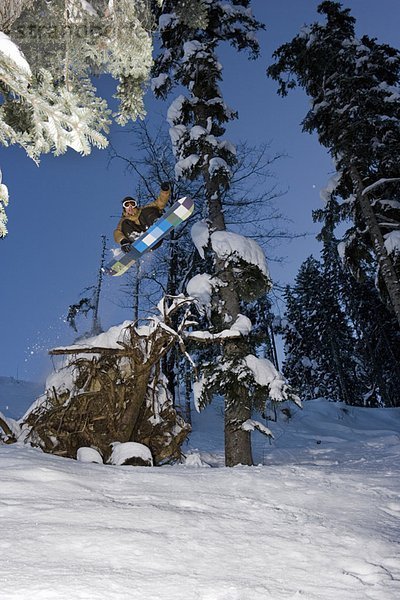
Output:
[[180, 211]]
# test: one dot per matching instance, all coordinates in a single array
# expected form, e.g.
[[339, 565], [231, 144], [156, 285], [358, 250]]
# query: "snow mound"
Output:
[[89, 455], [131, 453], [194, 460]]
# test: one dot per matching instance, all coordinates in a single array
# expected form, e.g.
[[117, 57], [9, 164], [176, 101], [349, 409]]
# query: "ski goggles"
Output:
[[131, 203]]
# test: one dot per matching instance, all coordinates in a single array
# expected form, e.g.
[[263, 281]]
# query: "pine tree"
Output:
[[377, 345], [376, 331], [355, 109], [319, 342], [197, 119]]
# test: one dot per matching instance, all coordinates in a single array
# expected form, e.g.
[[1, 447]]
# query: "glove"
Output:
[[165, 186], [126, 245]]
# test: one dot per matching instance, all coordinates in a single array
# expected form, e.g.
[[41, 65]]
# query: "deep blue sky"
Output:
[[59, 211]]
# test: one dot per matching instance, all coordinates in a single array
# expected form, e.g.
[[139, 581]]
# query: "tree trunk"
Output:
[[237, 409], [237, 441], [387, 269]]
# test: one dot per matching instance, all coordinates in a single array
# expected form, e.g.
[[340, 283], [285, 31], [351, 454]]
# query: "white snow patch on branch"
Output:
[[186, 165], [158, 82], [226, 244], [201, 288], [3, 203], [108, 339], [218, 164], [392, 242], [174, 113], [197, 132], [198, 387], [176, 133], [341, 248], [167, 20], [242, 326], [200, 236], [266, 375], [378, 183], [192, 47], [251, 425], [12, 52]]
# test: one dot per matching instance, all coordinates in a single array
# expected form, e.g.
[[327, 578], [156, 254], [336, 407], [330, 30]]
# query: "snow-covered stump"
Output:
[[112, 390]]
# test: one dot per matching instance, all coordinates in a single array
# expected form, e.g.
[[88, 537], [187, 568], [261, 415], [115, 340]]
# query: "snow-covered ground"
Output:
[[318, 521]]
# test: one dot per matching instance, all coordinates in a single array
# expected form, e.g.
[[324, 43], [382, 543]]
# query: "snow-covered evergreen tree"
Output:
[[355, 109], [319, 343], [377, 343], [47, 100], [376, 331], [237, 271]]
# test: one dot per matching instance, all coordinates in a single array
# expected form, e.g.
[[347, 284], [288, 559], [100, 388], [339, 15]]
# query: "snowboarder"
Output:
[[135, 219]]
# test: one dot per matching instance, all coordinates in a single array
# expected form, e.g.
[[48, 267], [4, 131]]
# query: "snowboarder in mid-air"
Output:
[[135, 220]]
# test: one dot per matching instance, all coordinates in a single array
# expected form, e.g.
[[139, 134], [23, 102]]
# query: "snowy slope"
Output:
[[319, 522], [16, 396]]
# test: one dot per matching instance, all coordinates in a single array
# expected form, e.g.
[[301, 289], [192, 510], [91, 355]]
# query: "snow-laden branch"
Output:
[[241, 327], [251, 425], [378, 183]]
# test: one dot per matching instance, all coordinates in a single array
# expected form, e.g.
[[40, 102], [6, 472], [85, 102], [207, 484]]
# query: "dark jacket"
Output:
[[142, 218]]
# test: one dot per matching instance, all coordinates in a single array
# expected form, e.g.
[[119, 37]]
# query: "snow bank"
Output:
[[322, 517], [226, 244]]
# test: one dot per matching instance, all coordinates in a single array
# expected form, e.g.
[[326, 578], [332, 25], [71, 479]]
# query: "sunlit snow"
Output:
[[317, 519]]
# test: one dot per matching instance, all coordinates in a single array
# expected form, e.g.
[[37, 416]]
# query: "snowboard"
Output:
[[172, 217]]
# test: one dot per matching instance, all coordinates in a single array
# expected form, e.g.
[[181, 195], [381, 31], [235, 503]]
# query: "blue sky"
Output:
[[59, 211]]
